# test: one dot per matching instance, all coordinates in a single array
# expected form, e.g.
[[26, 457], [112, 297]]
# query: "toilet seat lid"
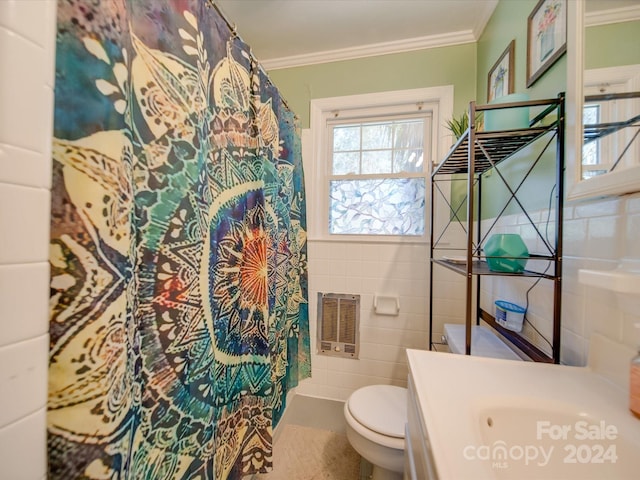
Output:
[[381, 408]]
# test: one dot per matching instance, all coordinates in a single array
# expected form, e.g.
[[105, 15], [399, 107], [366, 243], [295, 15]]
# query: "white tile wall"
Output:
[[23, 301], [27, 46], [367, 269], [598, 234], [22, 445], [24, 214], [612, 237], [22, 93], [23, 366]]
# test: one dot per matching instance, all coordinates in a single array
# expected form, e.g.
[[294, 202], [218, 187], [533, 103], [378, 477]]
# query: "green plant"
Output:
[[459, 125]]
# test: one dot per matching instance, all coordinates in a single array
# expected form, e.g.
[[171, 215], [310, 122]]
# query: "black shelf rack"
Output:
[[596, 131], [473, 155]]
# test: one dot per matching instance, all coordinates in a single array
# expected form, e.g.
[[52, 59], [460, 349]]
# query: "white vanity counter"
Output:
[[484, 418]]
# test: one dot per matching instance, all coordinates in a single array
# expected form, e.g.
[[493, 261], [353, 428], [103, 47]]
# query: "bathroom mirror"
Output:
[[603, 97]]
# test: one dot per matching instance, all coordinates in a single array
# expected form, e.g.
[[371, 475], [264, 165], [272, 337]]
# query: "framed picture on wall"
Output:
[[500, 79], [546, 37]]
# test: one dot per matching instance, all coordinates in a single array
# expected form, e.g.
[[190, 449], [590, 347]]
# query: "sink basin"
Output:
[[524, 438], [492, 419]]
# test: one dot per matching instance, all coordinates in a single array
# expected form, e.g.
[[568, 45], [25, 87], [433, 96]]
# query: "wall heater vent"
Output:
[[338, 324]]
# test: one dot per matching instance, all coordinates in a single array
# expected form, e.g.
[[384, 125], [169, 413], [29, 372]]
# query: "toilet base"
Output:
[[372, 452], [380, 473]]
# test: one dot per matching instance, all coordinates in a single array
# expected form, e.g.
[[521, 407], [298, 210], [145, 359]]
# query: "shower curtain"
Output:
[[179, 315]]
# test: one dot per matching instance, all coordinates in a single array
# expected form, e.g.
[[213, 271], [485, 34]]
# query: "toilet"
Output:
[[376, 416], [484, 343]]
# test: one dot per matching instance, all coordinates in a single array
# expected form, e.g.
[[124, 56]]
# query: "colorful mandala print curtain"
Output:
[[179, 315]]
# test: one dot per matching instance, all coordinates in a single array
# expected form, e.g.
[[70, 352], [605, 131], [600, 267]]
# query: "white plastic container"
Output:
[[509, 315]]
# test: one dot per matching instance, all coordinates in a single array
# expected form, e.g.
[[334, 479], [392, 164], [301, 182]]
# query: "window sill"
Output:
[[369, 239], [620, 182]]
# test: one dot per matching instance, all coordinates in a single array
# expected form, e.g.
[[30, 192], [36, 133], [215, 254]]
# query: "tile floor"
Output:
[[322, 415]]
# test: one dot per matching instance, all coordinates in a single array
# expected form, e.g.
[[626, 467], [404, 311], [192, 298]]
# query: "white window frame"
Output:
[[612, 111], [622, 180], [437, 100]]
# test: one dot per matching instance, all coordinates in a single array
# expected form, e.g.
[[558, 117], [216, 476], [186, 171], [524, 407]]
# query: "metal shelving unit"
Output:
[[474, 154]]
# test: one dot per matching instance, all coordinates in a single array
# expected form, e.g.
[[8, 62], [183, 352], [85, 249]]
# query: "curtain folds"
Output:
[[179, 314]]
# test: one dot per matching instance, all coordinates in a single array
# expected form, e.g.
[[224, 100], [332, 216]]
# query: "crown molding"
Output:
[[602, 17], [484, 17], [615, 15], [384, 48]]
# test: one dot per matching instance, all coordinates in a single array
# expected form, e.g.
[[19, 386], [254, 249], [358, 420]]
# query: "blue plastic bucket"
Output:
[[509, 315]]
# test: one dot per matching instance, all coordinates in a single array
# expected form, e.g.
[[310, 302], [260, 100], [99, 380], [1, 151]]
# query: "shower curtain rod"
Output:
[[231, 25], [234, 31]]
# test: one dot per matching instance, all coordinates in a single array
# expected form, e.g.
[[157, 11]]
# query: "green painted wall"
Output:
[[612, 45], [455, 65], [509, 22]]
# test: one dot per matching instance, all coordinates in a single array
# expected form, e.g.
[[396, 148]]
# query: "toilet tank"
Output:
[[484, 342]]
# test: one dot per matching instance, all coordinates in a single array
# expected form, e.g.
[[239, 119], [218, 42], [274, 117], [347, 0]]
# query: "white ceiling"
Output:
[[297, 32], [281, 29]]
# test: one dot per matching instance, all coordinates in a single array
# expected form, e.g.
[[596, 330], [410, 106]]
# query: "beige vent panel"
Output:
[[338, 324], [329, 325], [347, 322]]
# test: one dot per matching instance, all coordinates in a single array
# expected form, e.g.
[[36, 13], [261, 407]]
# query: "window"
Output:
[[616, 148], [591, 150], [372, 155], [378, 177]]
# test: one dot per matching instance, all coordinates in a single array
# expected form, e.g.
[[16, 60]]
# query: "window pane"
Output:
[[384, 206], [377, 207], [377, 161], [408, 161], [376, 136], [346, 163], [590, 153], [346, 138], [409, 134], [591, 114], [592, 173], [591, 150]]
